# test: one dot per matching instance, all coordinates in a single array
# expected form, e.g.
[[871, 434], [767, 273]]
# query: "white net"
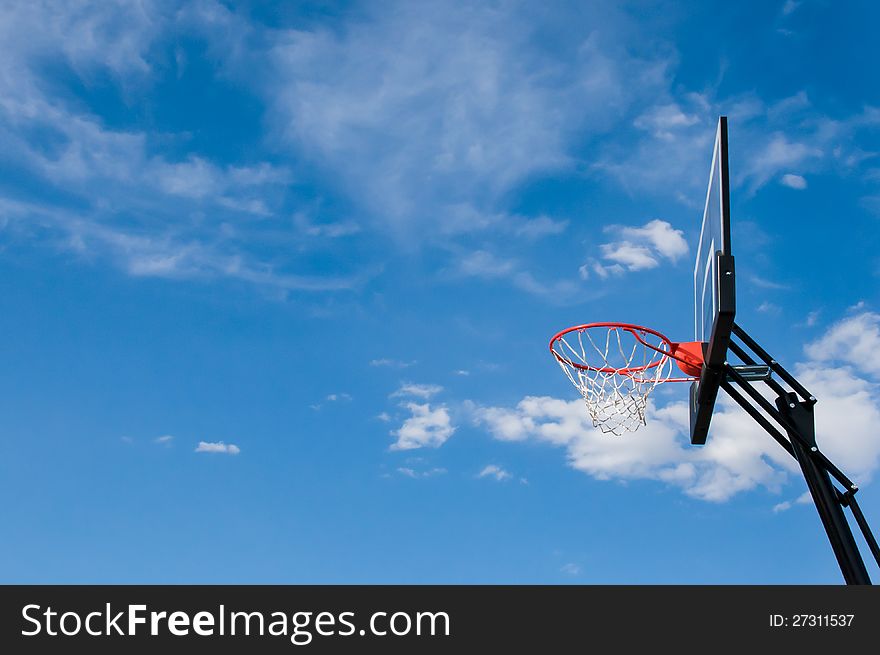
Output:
[[599, 360]]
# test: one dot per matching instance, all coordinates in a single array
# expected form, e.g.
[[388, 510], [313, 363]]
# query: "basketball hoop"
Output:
[[616, 366]]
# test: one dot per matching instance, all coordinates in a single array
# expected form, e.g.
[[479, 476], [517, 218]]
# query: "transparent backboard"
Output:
[[714, 297], [714, 238]]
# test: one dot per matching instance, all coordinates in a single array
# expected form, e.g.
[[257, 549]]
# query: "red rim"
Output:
[[629, 327]]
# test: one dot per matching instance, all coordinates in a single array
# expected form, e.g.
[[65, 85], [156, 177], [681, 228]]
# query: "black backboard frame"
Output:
[[704, 392]]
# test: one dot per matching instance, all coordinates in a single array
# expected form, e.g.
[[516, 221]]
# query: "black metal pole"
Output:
[[802, 433], [772, 363], [865, 528]]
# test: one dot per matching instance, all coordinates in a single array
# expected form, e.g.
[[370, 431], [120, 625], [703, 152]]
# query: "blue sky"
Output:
[[276, 285]]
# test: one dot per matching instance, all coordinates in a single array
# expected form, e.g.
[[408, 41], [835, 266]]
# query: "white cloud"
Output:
[[385, 417], [785, 505], [217, 447], [333, 230], [481, 263], [735, 459], [854, 340], [789, 7], [665, 239], [335, 397], [638, 249], [417, 390], [425, 117], [539, 227], [672, 154], [488, 266], [392, 363], [136, 208], [164, 439], [634, 258], [495, 472], [663, 120], [423, 109], [764, 283], [413, 473], [571, 569], [794, 181], [767, 307], [425, 428], [779, 153], [739, 456], [847, 416]]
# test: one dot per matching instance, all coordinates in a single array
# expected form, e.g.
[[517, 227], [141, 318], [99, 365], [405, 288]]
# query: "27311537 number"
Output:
[[812, 620]]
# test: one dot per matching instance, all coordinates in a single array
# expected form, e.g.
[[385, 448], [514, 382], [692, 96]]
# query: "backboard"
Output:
[[714, 289]]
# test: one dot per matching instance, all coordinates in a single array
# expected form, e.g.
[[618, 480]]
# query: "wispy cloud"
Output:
[[571, 569], [789, 7], [764, 283], [495, 472], [332, 230], [163, 253], [165, 439], [484, 122], [767, 307], [417, 474], [115, 195], [780, 153], [392, 363], [417, 390], [489, 266]]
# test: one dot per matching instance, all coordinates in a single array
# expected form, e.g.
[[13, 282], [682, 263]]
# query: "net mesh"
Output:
[[615, 394]]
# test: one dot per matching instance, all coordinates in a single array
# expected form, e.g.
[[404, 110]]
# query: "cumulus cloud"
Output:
[[427, 427], [637, 249], [739, 455], [632, 257], [733, 460], [854, 340], [217, 447], [667, 241]]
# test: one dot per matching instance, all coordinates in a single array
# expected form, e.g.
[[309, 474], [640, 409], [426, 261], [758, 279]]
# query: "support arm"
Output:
[[794, 415]]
